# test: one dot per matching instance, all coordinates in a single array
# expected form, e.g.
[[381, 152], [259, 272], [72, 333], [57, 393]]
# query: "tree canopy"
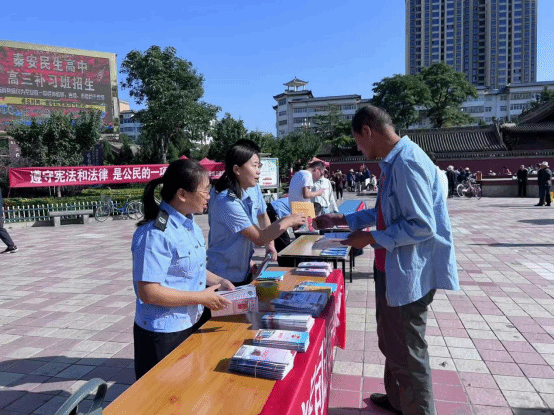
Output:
[[296, 149], [437, 88], [171, 88], [448, 89], [59, 140], [399, 95], [225, 133], [545, 96]]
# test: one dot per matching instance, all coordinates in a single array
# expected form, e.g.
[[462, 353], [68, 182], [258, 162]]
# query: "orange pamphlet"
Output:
[[307, 208]]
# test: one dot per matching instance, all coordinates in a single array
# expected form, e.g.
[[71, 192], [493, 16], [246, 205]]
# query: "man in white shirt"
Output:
[[300, 188]]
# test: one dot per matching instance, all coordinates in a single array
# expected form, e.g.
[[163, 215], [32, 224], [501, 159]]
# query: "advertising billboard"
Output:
[[37, 80], [269, 175]]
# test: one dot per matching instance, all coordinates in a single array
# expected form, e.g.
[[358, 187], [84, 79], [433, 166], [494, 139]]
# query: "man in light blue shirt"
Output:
[[414, 256]]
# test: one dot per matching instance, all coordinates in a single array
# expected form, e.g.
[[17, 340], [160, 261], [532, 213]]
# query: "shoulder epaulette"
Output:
[[161, 220]]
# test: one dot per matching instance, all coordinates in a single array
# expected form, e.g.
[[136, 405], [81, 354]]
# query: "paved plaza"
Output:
[[67, 307]]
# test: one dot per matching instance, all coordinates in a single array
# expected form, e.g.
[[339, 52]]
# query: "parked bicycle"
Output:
[[129, 209], [469, 188]]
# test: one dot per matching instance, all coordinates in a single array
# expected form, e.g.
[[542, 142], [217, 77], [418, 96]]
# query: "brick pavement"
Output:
[[67, 305]]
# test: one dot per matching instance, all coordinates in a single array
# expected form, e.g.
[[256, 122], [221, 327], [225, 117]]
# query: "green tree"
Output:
[[171, 88], [399, 95], [334, 129], [448, 89], [296, 149], [225, 133], [545, 96], [119, 156], [266, 141], [332, 125], [59, 140]]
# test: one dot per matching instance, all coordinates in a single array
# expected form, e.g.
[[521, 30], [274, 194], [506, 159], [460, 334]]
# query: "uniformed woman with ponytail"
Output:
[[169, 265]]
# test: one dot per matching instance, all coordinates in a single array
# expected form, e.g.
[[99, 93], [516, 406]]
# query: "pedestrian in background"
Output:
[[350, 177], [545, 182], [452, 180], [4, 235], [522, 175], [327, 198], [301, 184], [359, 180], [339, 184]]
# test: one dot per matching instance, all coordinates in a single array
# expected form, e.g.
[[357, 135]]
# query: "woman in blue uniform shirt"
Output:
[[169, 271], [238, 218]]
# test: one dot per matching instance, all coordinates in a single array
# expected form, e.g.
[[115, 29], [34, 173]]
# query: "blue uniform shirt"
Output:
[[174, 258], [281, 207], [418, 237], [229, 252]]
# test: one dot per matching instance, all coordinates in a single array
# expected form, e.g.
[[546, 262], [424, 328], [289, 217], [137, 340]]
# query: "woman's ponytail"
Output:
[[185, 174], [151, 208]]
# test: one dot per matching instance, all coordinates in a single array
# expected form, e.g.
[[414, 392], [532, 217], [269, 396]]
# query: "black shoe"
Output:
[[10, 250], [547, 205], [381, 400], [539, 205]]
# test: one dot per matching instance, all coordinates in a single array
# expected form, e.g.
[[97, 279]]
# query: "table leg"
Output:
[[351, 270]]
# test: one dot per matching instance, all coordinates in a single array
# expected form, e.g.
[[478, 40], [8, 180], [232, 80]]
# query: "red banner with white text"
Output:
[[83, 175], [88, 175]]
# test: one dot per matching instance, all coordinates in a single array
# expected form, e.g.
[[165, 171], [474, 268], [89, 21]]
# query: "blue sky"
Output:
[[247, 50]]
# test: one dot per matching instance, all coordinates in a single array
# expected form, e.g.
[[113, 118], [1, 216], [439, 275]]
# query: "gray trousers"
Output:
[[401, 334], [4, 236]]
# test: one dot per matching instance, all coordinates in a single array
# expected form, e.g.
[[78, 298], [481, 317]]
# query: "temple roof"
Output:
[[457, 139], [544, 112], [528, 128]]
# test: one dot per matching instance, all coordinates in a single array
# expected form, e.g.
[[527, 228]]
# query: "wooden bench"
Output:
[[56, 215]]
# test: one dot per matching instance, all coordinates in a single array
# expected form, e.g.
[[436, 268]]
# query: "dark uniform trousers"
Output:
[[152, 347], [4, 236], [401, 334]]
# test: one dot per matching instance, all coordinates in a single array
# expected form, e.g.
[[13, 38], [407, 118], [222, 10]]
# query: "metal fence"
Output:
[[28, 213]]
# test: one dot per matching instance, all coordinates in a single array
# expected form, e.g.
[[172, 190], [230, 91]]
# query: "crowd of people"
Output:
[[352, 181]]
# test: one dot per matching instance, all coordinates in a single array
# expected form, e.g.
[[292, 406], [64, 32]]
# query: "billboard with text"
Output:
[[36, 80]]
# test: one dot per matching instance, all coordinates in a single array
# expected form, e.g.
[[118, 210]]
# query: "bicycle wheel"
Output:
[[102, 212], [135, 210], [460, 189], [478, 192]]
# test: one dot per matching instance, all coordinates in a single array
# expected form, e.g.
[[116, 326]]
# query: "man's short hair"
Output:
[[374, 117], [317, 165]]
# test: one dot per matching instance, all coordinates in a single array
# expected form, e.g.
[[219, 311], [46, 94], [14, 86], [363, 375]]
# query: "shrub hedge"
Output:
[[87, 195]]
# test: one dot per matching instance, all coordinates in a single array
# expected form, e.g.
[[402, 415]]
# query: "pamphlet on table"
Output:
[[243, 299], [285, 339], [300, 302], [292, 321], [263, 362]]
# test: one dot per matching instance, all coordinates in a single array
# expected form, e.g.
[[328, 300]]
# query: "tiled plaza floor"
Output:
[[67, 306]]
